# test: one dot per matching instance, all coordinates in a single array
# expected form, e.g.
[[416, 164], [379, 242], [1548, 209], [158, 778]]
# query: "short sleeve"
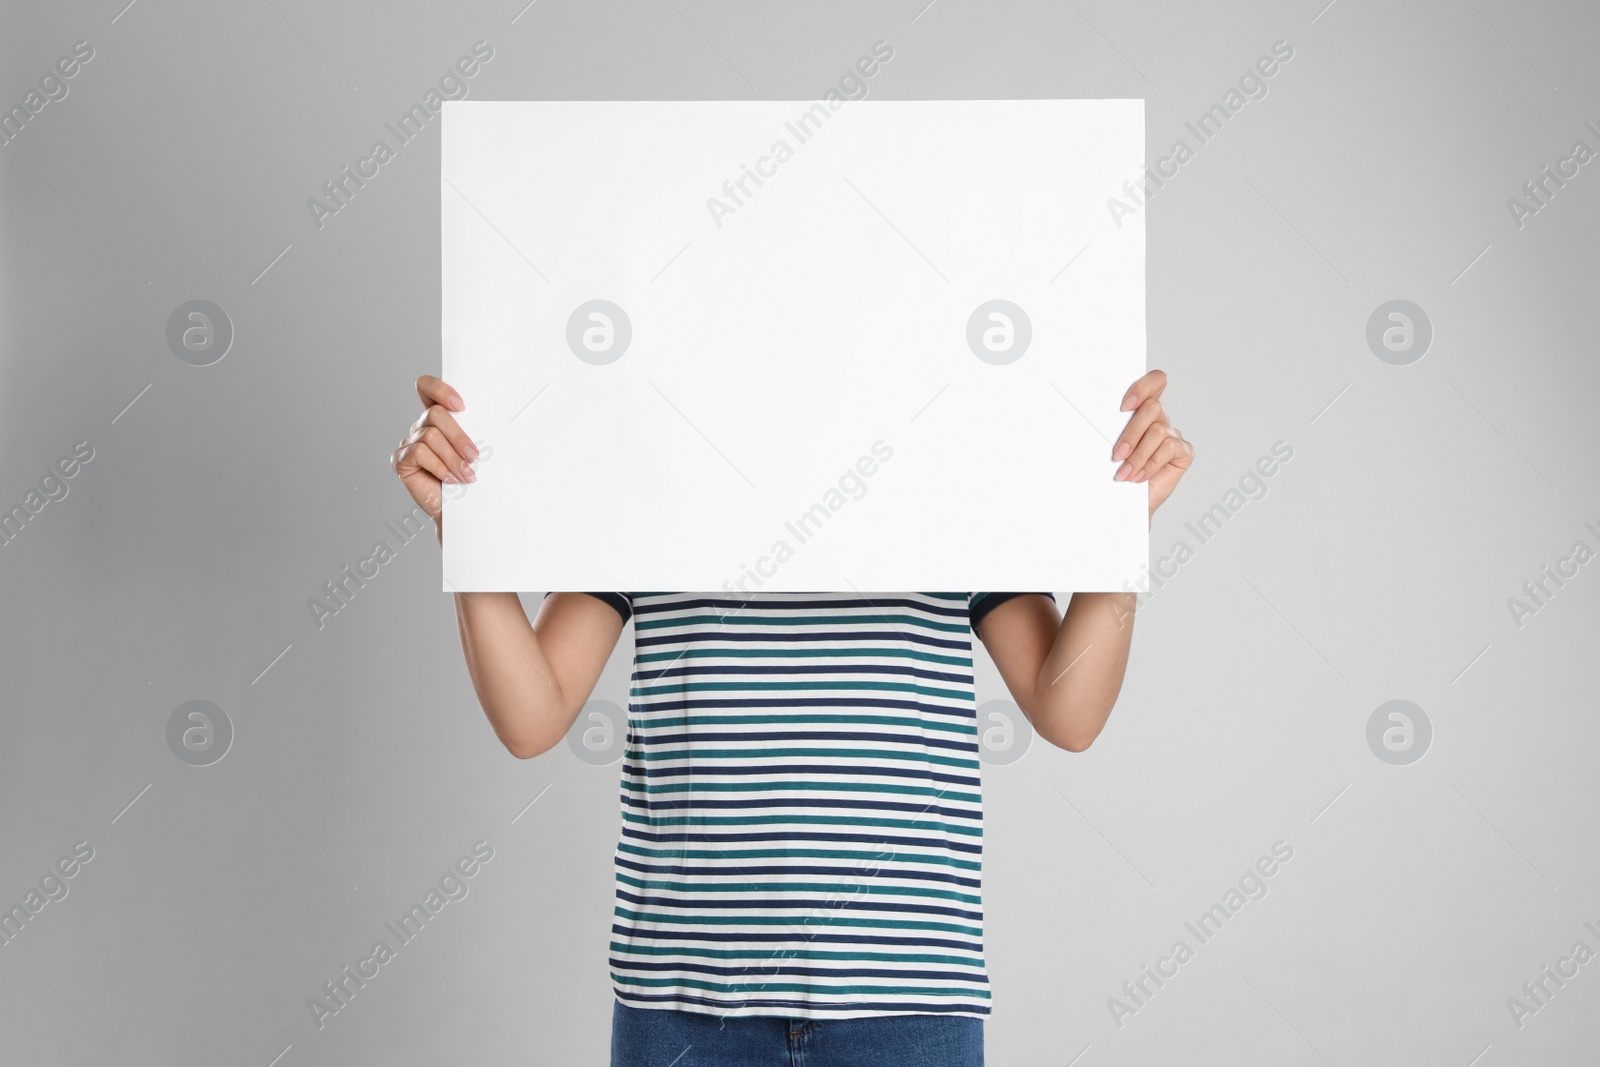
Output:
[[980, 604], [619, 601]]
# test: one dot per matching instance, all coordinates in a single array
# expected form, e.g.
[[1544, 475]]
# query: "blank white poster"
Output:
[[770, 346]]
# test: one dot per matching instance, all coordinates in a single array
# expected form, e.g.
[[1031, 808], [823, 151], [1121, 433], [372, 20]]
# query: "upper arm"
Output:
[[577, 633], [1019, 634]]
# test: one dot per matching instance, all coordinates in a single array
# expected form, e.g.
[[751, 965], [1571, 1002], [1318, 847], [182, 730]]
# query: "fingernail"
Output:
[[1123, 472], [456, 404], [471, 454], [1123, 451], [471, 475], [1128, 402], [450, 479]]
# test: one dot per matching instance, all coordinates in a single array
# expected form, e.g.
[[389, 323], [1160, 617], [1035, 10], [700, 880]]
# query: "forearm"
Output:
[[515, 682], [1082, 675], [1078, 685]]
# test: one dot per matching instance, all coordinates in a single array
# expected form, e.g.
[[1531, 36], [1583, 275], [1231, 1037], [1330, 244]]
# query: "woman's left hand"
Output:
[[1150, 449]]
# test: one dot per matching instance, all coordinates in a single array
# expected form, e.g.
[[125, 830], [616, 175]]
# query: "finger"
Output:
[[1137, 460], [1170, 450], [440, 445], [1150, 412], [447, 424], [421, 472], [1146, 388], [433, 391], [418, 456]]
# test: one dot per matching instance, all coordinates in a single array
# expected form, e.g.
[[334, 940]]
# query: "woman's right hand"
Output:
[[531, 679], [436, 449]]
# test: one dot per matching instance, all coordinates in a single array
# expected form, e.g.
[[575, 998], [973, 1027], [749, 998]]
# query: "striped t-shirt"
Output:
[[801, 806]]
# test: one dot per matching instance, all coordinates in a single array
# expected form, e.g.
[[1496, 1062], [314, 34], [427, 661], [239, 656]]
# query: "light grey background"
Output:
[[1378, 566]]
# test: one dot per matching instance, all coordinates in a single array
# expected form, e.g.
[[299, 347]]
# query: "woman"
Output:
[[798, 875]]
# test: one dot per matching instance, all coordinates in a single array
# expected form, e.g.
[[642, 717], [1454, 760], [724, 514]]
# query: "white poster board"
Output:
[[783, 346]]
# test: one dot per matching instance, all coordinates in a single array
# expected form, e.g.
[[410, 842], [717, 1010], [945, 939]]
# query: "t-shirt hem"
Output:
[[751, 1008]]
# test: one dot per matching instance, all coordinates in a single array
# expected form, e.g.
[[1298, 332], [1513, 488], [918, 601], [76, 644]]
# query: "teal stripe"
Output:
[[773, 787], [833, 919], [793, 954], [690, 722], [935, 860], [738, 886], [688, 751], [853, 652], [803, 820]]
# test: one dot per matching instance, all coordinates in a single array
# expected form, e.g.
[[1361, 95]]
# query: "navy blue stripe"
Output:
[[695, 667], [909, 773], [915, 806], [820, 937], [744, 608], [857, 905], [809, 802], [658, 869], [698, 735], [930, 843], [712, 638], [674, 702]]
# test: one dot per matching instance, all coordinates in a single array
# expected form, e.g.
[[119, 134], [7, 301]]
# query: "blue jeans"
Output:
[[656, 1037]]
